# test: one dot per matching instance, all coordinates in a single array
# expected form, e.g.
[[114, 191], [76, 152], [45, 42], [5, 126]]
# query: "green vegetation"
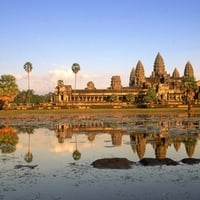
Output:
[[112, 98], [8, 90], [130, 97], [189, 86], [150, 97], [29, 97], [8, 139]]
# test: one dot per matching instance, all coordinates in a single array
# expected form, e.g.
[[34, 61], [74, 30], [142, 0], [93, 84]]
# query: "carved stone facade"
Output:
[[167, 87], [137, 76], [116, 83], [90, 86], [188, 70]]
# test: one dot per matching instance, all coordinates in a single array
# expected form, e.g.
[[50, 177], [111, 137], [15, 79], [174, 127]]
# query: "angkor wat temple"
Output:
[[167, 88]]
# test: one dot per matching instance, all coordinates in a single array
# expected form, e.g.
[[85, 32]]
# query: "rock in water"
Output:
[[190, 161], [155, 161], [112, 163], [27, 166]]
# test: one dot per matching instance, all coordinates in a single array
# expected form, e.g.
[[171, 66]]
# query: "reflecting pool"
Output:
[[61, 153]]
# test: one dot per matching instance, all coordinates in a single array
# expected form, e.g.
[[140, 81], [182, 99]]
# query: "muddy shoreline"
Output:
[[55, 115]]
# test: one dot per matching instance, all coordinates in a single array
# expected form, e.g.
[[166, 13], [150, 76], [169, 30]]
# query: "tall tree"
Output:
[[8, 89], [28, 68], [150, 96], [188, 86]]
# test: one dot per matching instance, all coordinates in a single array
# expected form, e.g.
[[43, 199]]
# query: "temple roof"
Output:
[[139, 71], [132, 73], [159, 66], [188, 70], [175, 73], [132, 77]]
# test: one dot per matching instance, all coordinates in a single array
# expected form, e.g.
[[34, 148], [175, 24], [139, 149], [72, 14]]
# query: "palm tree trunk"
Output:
[[28, 82], [28, 89]]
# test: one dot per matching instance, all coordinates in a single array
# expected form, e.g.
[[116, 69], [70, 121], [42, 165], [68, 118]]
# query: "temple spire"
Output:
[[159, 66], [139, 73], [175, 73], [188, 71]]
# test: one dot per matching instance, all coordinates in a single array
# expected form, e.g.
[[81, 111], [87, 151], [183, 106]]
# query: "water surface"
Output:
[[63, 151]]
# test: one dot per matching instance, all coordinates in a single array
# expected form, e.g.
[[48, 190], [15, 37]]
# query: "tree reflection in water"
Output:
[[27, 130], [8, 139], [76, 154], [64, 131], [29, 156]]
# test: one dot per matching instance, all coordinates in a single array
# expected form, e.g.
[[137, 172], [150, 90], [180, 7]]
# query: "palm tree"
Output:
[[28, 68], [75, 69]]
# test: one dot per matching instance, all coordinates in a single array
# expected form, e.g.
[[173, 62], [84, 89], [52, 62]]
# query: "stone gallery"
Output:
[[167, 88]]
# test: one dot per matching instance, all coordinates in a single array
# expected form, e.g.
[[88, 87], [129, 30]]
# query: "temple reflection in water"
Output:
[[159, 134], [142, 135]]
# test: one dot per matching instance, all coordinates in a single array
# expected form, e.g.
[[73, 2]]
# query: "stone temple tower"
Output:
[[159, 67], [189, 70], [176, 73], [116, 83], [159, 75], [139, 73], [132, 78], [137, 76]]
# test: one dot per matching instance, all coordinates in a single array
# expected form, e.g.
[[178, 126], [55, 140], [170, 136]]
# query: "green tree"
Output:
[[188, 86], [151, 96], [21, 97], [113, 98], [130, 97], [8, 89], [28, 68], [34, 98]]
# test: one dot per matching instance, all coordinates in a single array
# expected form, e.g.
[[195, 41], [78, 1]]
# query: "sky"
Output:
[[106, 38]]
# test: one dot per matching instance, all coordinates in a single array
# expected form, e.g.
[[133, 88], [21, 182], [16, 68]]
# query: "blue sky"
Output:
[[106, 37]]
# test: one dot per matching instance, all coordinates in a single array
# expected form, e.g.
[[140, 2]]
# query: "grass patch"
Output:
[[66, 112]]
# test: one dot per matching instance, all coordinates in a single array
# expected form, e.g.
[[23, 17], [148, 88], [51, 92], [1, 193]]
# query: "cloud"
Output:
[[69, 146], [82, 78], [20, 77], [45, 83], [60, 74]]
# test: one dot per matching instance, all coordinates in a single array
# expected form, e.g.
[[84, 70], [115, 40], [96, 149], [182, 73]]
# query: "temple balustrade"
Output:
[[78, 96]]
